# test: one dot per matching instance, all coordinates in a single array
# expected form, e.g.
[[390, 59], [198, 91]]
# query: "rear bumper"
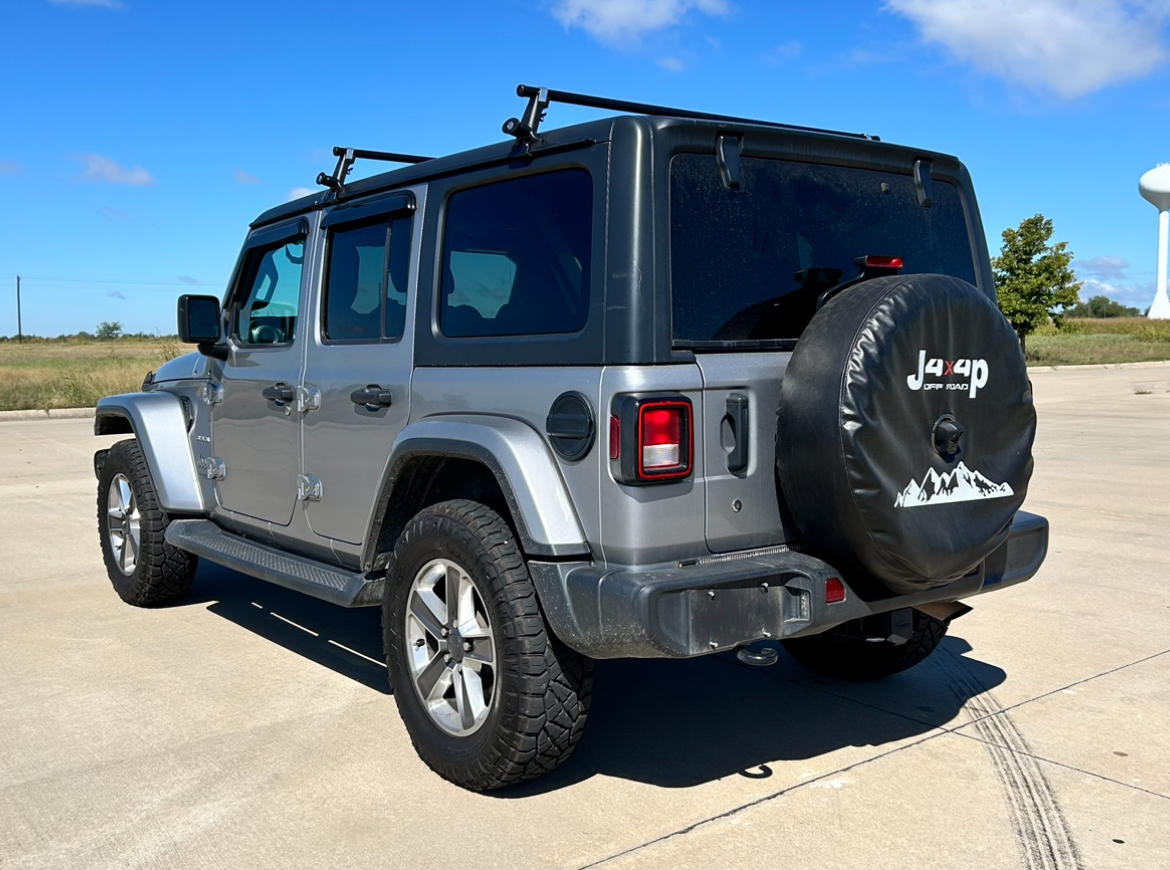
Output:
[[694, 609]]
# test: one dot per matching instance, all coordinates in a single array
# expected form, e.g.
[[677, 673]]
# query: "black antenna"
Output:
[[526, 129], [347, 156]]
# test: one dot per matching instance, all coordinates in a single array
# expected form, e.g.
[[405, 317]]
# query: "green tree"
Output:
[[1033, 277], [1101, 306], [107, 331]]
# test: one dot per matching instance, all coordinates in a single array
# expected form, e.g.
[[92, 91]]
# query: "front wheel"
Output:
[[846, 653], [145, 570], [489, 697]]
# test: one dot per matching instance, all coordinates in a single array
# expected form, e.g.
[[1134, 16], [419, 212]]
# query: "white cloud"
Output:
[[246, 177], [1070, 47], [623, 22], [781, 53], [98, 168], [671, 64], [298, 192], [1135, 295], [108, 4], [110, 213], [1106, 268]]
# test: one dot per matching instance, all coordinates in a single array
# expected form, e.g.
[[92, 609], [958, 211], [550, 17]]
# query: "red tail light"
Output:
[[891, 263], [834, 591], [654, 438]]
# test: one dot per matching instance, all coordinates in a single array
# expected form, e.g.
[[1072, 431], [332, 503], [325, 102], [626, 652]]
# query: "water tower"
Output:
[[1155, 187]]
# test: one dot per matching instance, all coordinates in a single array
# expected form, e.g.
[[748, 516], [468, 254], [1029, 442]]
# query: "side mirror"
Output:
[[199, 324]]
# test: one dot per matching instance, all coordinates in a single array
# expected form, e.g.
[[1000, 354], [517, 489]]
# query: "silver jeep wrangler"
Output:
[[662, 385]]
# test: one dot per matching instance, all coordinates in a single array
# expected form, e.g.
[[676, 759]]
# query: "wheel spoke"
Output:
[[473, 700], [481, 652], [422, 608], [116, 512], [463, 702], [454, 588], [124, 493], [434, 679]]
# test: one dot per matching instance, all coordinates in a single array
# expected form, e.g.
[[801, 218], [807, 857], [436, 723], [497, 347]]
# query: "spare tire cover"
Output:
[[872, 376]]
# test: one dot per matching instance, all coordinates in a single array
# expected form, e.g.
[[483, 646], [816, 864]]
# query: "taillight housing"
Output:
[[656, 438]]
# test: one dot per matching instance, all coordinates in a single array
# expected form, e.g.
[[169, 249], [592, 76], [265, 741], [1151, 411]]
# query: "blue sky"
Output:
[[138, 138]]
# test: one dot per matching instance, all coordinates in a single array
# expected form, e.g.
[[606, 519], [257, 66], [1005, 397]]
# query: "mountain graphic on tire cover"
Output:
[[962, 484]]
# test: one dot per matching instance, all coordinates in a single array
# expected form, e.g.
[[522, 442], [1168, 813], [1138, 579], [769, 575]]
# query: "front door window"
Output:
[[268, 315]]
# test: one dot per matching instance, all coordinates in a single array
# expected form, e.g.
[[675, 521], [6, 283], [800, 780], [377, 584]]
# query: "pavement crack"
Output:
[[998, 709], [1074, 768], [726, 814]]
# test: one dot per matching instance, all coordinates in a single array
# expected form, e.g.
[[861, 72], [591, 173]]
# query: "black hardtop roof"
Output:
[[568, 138]]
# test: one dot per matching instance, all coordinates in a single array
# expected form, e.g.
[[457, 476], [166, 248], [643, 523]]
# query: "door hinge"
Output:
[[211, 394], [212, 467], [308, 399], [308, 487]]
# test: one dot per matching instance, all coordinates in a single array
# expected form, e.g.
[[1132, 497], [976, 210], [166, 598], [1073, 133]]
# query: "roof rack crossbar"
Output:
[[346, 158], [526, 129]]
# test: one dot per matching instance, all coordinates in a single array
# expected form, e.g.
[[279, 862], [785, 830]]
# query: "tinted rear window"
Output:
[[735, 254], [516, 256]]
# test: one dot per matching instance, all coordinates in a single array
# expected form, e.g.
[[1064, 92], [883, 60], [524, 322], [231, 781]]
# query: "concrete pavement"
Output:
[[252, 727]]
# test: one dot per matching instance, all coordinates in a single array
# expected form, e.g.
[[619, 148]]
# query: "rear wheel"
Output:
[[488, 696], [145, 570], [846, 653]]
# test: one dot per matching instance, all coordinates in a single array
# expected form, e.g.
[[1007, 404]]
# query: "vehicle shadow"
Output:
[[674, 724], [678, 724], [348, 641]]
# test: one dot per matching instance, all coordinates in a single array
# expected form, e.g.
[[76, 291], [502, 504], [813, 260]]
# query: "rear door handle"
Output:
[[373, 396], [281, 392], [737, 417]]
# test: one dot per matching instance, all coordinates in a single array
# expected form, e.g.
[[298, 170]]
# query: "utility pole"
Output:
[[19, 332]]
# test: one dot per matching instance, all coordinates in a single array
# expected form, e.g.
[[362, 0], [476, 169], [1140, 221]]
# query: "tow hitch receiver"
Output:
[[761, 659]]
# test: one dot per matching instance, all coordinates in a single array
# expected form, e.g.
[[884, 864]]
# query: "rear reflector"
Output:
[[615, 437], [834, 591]]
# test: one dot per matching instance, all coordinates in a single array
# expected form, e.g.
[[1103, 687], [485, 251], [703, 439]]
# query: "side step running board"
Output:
[[329, 583]]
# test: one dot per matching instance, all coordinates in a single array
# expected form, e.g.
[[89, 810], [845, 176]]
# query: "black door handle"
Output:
[[738, 420], [373, 396], [280, 393]]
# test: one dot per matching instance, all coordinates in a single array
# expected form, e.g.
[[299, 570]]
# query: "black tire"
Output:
[[845, 656], [161, 574], [542, 689]]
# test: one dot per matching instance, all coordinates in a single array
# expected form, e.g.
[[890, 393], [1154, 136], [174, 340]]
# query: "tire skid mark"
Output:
[[1042, 833]]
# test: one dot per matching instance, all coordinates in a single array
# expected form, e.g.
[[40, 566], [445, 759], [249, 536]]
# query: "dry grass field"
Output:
[[54, 373], [43, 374], [1105, 340]]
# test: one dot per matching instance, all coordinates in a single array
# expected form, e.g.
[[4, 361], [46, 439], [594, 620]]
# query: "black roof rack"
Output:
[[347, 156], [525, 128]]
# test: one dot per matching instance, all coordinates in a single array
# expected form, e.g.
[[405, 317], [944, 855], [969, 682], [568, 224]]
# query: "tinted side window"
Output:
[[516, 257], [399, 272], [365, 290], [270, 295]]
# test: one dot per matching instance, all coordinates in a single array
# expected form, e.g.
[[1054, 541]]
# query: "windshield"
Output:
[[749, 264]]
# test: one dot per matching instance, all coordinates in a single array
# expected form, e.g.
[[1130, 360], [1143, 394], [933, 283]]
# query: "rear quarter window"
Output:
[[749, 264], [516, 257]]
